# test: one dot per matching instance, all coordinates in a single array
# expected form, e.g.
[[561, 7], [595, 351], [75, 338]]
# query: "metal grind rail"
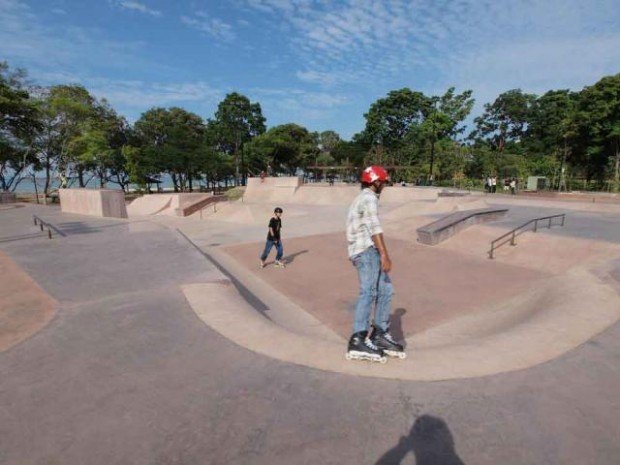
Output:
[[50, 227], [510, 236]]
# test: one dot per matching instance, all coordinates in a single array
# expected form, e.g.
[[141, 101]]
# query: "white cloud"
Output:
[[212, 26], [382, 44], [136, 94], [137, 6]]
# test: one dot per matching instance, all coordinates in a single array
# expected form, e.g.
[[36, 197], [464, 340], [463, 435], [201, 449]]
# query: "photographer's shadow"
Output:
[[431, 442]]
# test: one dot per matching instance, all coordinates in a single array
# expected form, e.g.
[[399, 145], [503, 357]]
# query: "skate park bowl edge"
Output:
[[532, 312]]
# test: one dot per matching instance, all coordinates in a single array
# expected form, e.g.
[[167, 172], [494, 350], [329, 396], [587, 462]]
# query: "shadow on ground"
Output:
[[431, 442], [396, 324], [291, 258]]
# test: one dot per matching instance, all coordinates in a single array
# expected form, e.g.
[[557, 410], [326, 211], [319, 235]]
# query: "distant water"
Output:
[[27, 186]]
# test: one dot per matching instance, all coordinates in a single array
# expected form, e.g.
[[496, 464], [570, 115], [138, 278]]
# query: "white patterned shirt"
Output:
[[363, 222]]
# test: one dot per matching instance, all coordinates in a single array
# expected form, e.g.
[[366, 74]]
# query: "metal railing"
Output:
[[510, 236], [50, 227]]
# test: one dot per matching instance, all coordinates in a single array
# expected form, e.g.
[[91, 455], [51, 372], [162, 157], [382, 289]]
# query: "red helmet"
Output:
[[374, 173]]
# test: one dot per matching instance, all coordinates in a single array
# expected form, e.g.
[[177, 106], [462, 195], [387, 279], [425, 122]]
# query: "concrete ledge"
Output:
[[526, 331], [7, 197], [440, 230], [105, 203]]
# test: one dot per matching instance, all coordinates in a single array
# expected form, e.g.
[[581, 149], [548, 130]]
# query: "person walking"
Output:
[[274, 239], [368, 253]]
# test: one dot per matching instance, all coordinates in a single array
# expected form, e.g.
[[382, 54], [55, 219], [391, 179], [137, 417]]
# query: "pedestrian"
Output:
[[274, 239], [493, 184], [368, 253], [513, 186]]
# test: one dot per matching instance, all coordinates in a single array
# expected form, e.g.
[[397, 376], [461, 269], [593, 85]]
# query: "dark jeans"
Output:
[[268, 245]]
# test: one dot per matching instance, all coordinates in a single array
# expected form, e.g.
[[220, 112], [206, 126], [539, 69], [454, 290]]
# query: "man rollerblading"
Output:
[[368, 253]]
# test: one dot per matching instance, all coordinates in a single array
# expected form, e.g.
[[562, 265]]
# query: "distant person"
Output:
[[274, 239], [493, 184], [513, 186], [487, 184], [263, 175], [369, 255]]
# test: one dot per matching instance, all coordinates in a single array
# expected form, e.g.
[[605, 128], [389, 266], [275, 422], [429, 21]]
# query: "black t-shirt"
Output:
[[275, 224]]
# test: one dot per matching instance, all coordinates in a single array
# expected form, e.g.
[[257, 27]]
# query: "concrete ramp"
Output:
[[271, 189], [525, 331], [177, 204], [425, 207], [149, 204], [325, 195], [399, 194]]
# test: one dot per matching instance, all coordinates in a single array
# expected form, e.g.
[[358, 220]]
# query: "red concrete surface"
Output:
[[432, 284], [25, 308]]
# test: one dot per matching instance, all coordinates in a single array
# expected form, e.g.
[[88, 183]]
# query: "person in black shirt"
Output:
[[273, 238]]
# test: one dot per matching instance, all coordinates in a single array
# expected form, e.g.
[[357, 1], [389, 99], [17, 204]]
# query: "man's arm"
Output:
[[386, 263], [372, 221]]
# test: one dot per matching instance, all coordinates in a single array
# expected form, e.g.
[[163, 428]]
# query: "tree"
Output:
[[236, 122], [19, 124], [505, 120], [171, 140], [285, 148], [65, 111], [328, 140], [599, 107], [98, 146], [390, 119]]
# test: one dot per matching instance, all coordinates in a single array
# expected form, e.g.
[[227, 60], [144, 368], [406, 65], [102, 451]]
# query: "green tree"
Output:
[[171, 140], [285, 148], [505, 120], [599, 125], [328, 140], [19, 125], [390, 119], [237, 121], [65, 110]]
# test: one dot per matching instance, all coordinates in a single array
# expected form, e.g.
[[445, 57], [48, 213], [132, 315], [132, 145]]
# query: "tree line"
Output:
[[69, 137]]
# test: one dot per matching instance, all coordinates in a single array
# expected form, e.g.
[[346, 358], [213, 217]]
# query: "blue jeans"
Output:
[[375, 289], [268, 245]]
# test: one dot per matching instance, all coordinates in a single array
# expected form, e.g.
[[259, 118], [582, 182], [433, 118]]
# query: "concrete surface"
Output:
[[25, 308], [127, 373]]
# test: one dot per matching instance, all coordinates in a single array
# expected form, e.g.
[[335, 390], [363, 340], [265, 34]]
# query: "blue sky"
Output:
[[319, 63]]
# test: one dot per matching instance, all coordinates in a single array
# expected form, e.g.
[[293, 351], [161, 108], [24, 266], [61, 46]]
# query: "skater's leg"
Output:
[[368, 265], [280, 251], [268, 246], [385, 291]]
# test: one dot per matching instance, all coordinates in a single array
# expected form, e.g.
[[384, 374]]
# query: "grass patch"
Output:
[[235, 193]]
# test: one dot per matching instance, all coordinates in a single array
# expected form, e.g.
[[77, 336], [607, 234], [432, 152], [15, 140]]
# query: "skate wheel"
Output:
[[348, 356], [383, 360], [402, 355]]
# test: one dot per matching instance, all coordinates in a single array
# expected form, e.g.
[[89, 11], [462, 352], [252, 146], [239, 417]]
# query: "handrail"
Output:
[[513, 233], [41, 223]]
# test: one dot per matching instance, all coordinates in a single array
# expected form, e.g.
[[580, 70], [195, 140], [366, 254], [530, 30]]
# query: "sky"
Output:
[[317, 63]]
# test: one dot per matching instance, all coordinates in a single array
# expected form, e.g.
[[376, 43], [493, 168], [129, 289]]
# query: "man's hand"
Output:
[[386, 263]]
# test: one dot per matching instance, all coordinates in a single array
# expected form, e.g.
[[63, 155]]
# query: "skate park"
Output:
[[161, 332]]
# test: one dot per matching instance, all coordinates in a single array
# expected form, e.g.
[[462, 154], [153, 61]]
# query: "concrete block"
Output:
[[7, 197], [108, 203]]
